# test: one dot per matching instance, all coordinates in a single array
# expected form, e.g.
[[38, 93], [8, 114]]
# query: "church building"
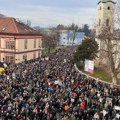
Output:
[[105, 18], [108, 39]]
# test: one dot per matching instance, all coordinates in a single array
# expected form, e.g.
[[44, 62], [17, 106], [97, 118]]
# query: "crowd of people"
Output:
[[50, 88]]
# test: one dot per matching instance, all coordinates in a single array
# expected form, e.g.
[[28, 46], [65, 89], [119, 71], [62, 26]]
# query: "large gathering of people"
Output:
[[50, 88]]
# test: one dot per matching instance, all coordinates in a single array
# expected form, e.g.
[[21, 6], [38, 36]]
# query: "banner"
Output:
[[89, 66]]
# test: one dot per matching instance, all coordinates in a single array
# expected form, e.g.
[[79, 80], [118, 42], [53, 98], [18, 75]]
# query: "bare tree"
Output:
[[55, 32], [28, 22], [37, 28], [109, 50], [72, 29], [49, 42], [50, 39]]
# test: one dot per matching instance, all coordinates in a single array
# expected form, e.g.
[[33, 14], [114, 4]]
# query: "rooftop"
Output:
[[105, 1], [12, 25]]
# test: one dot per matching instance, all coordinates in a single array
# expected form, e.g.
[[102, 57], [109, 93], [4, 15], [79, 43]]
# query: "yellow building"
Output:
[[105, 18], [18, 42], [105, 14]]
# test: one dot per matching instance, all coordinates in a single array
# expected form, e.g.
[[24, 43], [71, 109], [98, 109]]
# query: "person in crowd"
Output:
[[50, 88]]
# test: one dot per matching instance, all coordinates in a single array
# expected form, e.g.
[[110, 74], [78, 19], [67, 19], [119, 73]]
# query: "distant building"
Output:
[[47, 31], [71, 38], [18, 42]]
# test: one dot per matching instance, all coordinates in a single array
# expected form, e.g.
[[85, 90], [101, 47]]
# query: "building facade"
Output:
[[18, 42], [105, 14], [68, 38], [105, 18]]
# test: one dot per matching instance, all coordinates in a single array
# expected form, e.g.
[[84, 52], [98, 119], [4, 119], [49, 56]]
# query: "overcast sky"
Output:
[[51, 12]]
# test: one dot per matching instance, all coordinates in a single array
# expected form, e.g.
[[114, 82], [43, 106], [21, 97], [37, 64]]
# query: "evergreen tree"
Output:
[[87, 50]]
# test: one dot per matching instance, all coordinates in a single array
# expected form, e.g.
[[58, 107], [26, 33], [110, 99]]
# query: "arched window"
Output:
[[108, 8], [99, 22], [107, 22]]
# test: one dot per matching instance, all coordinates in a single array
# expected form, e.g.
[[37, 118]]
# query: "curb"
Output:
[[97, 79]]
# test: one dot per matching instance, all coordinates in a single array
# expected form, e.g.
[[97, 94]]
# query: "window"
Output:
[[108, 8], [99, 22], [25, 57], [9, 59], [39, 44], [25, 44], [100, 8], [35, 43], [34, 55], [39, 54], [107, 22], [10, 44]]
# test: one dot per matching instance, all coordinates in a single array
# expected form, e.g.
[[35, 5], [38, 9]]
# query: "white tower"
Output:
[[105, 14], [105, 17]]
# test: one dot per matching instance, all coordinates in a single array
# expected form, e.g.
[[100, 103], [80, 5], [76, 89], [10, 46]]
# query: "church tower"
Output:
[[105, 14], [105, 18]]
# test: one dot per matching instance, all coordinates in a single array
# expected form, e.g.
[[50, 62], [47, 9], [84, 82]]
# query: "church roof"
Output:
[[105, 1]]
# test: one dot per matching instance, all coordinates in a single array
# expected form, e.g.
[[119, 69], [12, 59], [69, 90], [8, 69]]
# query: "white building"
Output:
[[70, 37]]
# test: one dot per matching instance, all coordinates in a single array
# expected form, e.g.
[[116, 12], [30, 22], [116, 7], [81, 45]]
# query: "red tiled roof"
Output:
[[11, 25]]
